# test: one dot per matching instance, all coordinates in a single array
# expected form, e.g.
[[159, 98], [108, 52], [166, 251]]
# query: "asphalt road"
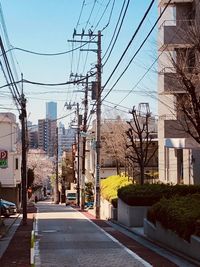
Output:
[[65, 237]]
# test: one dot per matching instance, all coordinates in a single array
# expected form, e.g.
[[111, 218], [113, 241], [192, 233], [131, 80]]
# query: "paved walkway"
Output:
[[65, 237]]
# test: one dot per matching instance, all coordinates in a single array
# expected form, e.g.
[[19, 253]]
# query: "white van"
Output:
[[70, 197]]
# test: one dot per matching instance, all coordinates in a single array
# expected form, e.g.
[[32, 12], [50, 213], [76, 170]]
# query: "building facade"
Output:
[[66, 138], [32, 136], [51, 110], [47, 136], [179, 154], [10, 159]]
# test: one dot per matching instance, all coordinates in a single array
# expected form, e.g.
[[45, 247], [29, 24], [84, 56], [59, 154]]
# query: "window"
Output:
[[16, 163]]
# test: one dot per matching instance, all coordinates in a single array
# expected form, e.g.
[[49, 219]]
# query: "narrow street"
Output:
[[65, 237]]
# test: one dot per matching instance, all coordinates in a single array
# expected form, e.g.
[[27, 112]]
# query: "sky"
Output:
[[47, 26]]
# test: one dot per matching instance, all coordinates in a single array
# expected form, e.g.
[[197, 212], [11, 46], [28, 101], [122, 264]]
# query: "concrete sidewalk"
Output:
[[10, 226], [137, 234]]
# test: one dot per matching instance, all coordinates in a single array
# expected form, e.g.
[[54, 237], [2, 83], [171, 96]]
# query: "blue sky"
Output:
[[46, 26]]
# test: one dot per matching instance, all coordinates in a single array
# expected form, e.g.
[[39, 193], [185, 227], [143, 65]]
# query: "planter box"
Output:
[[131, 216], [107, 210], [172, 240]]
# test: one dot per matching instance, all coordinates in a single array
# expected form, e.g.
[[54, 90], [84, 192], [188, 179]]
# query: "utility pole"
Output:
[[84, 145], [22, 118], [56, 193], [78, 160], [98, 127], [79, 118], [90, 34]]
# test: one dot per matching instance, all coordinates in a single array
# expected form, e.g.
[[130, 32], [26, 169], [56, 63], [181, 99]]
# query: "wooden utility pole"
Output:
[[22, 118], [84, 145], [98, 127], [78, 159], [56, 192], [91, 35]]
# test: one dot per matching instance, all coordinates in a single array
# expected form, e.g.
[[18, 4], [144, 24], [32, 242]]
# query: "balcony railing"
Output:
[[172, 80], [164, 2]]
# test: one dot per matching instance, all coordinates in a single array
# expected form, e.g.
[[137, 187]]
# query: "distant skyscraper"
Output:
[[51, 110]]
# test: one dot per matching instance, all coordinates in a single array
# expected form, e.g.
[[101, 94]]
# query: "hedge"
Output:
[[110, 185], [149, 194], [179, 214]]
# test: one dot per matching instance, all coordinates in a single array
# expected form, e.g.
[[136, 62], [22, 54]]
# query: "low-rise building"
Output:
[[10, 158]]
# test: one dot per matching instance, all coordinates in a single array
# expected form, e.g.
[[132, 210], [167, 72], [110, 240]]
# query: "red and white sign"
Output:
[[3, 159], [3, 154]]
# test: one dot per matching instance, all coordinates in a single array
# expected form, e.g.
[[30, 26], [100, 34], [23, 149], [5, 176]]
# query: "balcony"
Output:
[[171, 81], [173, 129], [175, 34], [164, 2]]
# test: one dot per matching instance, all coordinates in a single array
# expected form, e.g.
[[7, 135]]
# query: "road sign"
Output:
[[3, 159]]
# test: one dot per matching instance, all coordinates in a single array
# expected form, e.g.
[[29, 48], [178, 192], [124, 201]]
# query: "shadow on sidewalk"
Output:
[[18, 251]]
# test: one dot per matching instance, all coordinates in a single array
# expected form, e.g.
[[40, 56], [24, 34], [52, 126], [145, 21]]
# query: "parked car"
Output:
[[70, 198], [7, 208]]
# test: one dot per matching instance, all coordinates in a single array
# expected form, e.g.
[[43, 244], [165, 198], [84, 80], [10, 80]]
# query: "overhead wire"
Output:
[[117, 23], [136, 51], [130, 42], [117, 35], [111, 12], [3, 24], [126, 49]]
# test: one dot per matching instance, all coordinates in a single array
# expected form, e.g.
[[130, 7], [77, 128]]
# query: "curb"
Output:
[[161, 245], [32, 252], [7, 228]]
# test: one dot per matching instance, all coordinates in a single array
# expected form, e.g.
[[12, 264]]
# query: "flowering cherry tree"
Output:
[[41, 165]]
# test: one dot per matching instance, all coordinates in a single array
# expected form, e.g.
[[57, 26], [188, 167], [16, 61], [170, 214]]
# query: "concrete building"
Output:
[[66, 137], [32, 136], [179, 154], [10, 158], [47, 136], [51, 110]]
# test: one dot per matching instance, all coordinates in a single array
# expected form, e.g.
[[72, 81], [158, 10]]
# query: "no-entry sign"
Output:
[[3, 159]]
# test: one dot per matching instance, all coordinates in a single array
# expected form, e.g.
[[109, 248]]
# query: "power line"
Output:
[[135, 33], [94, 4], [117, 32], [136, 51], [130, 42], [45, 54], [80, 14], [111, 12], [47, 84]]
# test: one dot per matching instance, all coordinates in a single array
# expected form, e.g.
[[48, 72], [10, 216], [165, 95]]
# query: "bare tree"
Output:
[[140, 145], [184, 81], [113, 143]]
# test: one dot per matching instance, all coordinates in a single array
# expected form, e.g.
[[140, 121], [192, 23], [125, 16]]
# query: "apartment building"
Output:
[[47, 136], [32, 135], [179, 153], [10, 158], [51, 110], [66, 138]]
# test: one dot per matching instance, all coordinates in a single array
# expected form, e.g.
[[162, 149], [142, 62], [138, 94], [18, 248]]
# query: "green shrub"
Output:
[[179, 214], [110, 185], [149, 194]]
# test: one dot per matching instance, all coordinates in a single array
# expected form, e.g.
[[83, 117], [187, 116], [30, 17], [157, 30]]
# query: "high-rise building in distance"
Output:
[[51, 110]]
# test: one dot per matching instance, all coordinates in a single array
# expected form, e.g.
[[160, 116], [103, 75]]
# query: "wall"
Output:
[[131, 216]]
